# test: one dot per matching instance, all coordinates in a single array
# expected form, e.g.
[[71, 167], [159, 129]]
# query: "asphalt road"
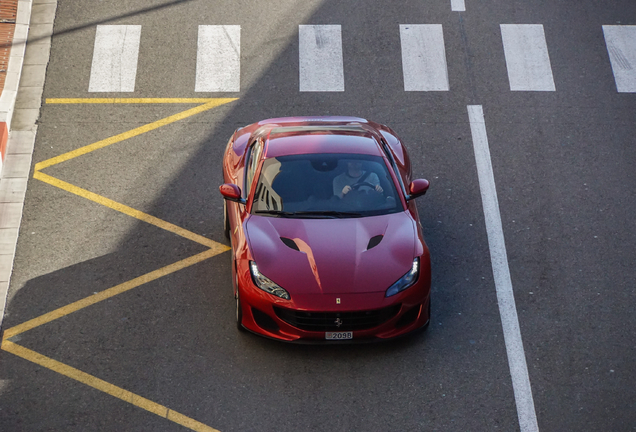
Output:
[[563, 163]]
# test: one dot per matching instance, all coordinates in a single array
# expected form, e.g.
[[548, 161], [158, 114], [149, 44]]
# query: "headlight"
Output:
[[267, 284], [405, 281]]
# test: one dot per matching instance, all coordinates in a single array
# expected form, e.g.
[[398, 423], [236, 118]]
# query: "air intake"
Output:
[[290, 243], [374, 241]]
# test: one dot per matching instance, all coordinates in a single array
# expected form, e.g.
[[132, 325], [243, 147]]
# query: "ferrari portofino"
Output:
[[326, 239]]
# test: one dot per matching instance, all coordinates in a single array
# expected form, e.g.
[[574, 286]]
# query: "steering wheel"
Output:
[[359, 185]]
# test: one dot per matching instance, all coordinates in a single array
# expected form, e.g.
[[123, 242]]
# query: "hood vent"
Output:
[[290, 243], [374, 241]]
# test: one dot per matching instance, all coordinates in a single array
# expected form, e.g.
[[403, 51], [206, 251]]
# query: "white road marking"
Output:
[[458, 5], [218, 59], [621, 46], [115, 57], [320, 58], [424, 57], [501, 273], [527, 57]]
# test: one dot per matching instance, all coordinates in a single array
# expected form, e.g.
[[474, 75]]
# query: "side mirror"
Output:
[[418, 187], [231, 192]]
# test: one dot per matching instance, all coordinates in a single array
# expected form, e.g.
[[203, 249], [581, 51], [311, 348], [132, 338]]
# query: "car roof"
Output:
[[296, 139]]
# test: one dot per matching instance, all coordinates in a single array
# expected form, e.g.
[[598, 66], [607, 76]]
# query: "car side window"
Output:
[[394, 167], [253, 157]]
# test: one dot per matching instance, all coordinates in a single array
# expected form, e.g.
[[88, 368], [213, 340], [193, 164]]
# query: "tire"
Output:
[[226, 221], [425, 327], [239, 313]]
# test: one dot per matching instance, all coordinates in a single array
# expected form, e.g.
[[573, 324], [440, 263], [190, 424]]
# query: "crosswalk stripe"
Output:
[[527, 57], [621, 47], [218, 59], [320, 58], [424, 57], [458, 5], [114, 66]]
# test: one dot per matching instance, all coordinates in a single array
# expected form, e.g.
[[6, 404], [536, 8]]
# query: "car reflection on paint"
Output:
[[326, 239]]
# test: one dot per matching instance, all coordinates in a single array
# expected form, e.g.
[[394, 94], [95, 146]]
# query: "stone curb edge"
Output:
[[20, 104]]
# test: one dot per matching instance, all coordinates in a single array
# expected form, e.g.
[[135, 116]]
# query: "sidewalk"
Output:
[[23, 62]]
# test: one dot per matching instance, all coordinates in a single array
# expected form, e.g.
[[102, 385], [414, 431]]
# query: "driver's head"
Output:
[[355, 168]]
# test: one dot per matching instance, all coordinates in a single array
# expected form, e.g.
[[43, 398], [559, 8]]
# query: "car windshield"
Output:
[[325, 185]]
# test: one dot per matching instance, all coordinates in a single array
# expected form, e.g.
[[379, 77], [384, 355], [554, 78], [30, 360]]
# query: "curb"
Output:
[[20, 104]]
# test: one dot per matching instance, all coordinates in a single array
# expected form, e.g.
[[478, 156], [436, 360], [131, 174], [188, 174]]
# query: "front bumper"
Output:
[[306, 318]]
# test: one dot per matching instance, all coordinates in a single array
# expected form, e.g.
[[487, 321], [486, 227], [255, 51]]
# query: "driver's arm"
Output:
[[339, 187], [375, 181]]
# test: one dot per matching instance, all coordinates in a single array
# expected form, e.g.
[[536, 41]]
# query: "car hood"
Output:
[[332, 256]]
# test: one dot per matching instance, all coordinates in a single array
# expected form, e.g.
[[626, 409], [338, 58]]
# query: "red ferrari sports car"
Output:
[[326, 239]]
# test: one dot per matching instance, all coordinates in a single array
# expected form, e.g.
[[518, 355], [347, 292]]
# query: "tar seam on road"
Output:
[[501, 272], [214, 249], [467, 59]]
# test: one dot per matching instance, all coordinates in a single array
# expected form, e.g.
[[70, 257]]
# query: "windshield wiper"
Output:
[[274, 213], [315, 213], [331, 213]]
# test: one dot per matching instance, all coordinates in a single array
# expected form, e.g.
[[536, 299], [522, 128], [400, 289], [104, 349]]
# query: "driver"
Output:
[[354, 175]]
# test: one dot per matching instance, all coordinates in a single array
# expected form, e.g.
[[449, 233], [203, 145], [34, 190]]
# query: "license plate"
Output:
[[338, 335]]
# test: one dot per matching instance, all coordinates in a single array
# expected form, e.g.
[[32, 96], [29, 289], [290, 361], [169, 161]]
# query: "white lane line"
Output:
[[218, 59], [501, 273], [527, 57], [621, 46], [423, 57], [115, 57], [320, 58], [458, 6]]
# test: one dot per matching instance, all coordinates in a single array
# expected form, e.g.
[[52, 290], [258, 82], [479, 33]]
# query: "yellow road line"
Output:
[[217, 247], [128, 100], [106, 294], [106, 387], [132, 133]]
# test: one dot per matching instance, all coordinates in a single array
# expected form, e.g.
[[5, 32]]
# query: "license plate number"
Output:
[[338, 335]]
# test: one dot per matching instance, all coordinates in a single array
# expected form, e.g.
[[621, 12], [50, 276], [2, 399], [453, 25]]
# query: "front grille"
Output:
[[328, 321]]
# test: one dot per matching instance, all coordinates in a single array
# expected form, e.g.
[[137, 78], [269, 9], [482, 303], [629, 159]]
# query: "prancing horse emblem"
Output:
[[338, 322], [337, 300]]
